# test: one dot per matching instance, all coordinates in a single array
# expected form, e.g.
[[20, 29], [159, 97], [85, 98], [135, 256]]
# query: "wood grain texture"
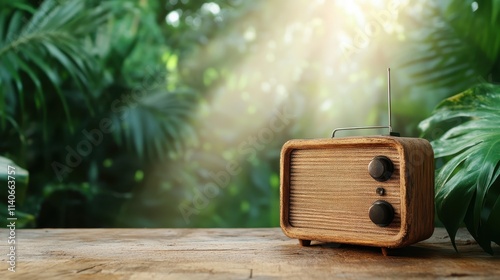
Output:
[[326, 190], [419, 189], [232, 254]]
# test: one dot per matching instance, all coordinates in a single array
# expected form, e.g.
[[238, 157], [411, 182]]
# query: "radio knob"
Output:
[[380, 168], [381, 213]]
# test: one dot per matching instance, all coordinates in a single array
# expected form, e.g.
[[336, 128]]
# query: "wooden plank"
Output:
[[231, 254]]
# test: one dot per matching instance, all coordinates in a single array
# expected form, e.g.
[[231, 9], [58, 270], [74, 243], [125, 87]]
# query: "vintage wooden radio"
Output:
[[374, 191]]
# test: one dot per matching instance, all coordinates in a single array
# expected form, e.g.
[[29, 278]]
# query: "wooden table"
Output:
[[231, 254]]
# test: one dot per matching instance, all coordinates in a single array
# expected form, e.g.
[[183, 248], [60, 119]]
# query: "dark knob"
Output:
[[381, 213], [380, 168]]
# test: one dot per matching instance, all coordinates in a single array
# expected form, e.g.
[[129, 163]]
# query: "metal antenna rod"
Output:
[[391, 133], [389, 97]]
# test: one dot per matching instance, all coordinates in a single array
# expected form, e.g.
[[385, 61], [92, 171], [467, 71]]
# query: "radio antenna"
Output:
[[389, 98], [391, 133]]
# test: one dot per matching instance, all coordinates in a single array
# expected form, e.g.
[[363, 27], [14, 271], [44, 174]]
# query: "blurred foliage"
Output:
[[172, 113], [15, 179], [455, 45], [468, 184], [84, 110], [449, 46]]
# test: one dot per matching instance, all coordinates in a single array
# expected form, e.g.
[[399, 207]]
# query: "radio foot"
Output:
[[385, 251], [303, 242]]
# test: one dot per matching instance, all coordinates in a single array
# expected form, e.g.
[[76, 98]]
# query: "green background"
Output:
[[173, 113]]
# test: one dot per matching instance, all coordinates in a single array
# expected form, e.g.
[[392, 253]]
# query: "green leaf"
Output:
[[9, 171], [493, 225], [495, 11], [451, 47], [49, 45], [157, 123], [14, 26], [21, 173], [467, 183]]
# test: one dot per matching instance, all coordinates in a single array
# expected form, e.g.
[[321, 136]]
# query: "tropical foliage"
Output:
[[80, 105], [454, 46], [15, 179], [466, 129], [458, 49]]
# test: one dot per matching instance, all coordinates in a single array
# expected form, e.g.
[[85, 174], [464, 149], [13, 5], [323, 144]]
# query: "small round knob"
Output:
[[380, 191], [381, 213], [380, 168]]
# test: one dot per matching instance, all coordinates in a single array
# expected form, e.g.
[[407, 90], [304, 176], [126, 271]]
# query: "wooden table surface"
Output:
[[231, 254]]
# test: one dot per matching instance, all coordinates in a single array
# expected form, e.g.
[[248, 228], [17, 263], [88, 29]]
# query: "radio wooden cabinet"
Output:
[[373, 191]]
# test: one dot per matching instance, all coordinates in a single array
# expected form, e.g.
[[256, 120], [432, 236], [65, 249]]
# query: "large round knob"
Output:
[[381, 213], [380, 168]]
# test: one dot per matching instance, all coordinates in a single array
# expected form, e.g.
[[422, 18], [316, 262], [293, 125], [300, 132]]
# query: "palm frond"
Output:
[[453, 47], [157, 125], [48, 43]]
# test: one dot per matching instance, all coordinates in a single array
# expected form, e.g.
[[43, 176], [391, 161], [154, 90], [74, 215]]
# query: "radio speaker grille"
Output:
[[331, 189]]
